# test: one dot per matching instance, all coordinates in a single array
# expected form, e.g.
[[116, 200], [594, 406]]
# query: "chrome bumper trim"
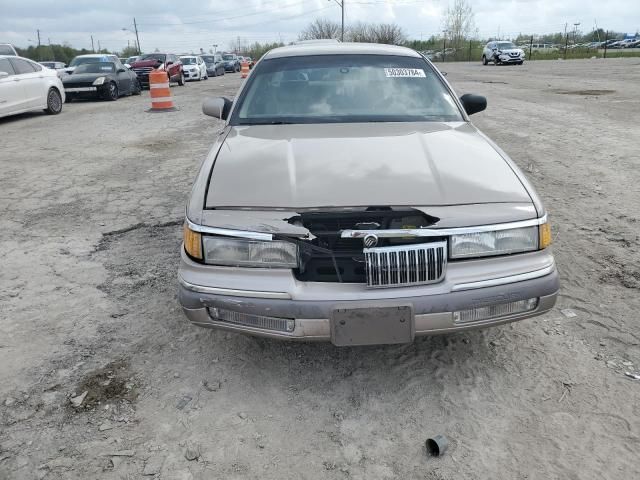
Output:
[[81, 89], [442, 232], [228, 232], [493, 282], [232, 292]]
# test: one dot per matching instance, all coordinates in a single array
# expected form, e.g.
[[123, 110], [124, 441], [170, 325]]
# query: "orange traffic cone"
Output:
[[161, 100], [244, 69]]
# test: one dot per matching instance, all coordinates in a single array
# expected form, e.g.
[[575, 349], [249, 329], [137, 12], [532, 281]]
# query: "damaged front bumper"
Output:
[[273, 303]]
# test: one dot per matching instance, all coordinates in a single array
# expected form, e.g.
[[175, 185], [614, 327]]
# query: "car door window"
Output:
[[5, 66], [21, 66]]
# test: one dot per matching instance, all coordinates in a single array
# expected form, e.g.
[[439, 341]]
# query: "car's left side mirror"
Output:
[[218, 107], [473, 103]]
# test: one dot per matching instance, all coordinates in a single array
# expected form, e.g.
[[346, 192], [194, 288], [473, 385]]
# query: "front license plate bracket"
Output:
[[372, 325]]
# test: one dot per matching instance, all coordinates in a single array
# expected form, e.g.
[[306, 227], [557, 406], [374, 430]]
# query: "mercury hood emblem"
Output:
[[370, 240]]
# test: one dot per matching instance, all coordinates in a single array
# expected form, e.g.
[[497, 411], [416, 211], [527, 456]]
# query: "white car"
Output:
[[57, 66], [501, 52], [194, 67], [91, 58], [27, 85]]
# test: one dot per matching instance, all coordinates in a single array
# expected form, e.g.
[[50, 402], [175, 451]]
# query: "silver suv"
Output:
[[500, 52], [348, 198]]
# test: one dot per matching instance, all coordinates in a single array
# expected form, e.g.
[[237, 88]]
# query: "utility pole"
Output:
[[99, 46], [575, 31], [566, 41], [215, 48], [135, 27], [341, 5], [38, 38], [92, 47]]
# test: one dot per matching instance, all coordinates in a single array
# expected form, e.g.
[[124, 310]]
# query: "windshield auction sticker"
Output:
[[404, 73]]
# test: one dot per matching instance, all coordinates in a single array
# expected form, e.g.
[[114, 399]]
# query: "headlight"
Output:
[[500, 242], [98, 81], [250, 253]]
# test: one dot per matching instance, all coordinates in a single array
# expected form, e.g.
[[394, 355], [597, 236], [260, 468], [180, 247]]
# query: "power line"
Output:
[[244, 15]]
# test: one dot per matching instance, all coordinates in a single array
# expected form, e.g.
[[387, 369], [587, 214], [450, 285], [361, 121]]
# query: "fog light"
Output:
[[495, 311], [256, 321]]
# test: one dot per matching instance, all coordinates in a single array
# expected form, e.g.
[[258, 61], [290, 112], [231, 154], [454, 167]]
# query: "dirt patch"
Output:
[[126, 254], [110, 384], [584, 92], [622, 274]]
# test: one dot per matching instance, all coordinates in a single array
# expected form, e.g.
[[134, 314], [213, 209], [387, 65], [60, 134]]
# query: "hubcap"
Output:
[[55, 102]]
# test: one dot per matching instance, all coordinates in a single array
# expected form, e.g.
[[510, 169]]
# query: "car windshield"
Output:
[[82, 60], [6, 50], [505, 45], [188, 60], [229, 57], [344, 88], [102, 67], [209, 59], [154, 56]]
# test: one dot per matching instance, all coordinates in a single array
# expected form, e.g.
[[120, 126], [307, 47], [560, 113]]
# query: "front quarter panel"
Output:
[[195, 205]]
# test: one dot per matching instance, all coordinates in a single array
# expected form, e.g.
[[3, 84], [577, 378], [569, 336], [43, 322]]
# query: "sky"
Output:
[[188, 25]]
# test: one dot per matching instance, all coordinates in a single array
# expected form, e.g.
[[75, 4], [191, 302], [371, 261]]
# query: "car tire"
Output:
[[520, 63], [137, 88], [181, 79], [484, 60], [54, 102], [112, 92]]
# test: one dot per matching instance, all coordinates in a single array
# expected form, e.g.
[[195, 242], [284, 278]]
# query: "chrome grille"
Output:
[[406, 265], [142, 70]]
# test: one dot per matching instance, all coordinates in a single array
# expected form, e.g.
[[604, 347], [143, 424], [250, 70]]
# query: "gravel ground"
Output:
[[92, 204]]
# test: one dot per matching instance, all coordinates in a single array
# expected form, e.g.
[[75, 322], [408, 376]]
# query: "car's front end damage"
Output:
[[358, 246]]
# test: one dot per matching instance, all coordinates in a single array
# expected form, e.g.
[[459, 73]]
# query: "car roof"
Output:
[[97, 55], [336, 48]]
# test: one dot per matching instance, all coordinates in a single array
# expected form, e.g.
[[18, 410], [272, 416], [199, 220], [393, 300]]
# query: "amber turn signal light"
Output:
[[192, 242], [545, 235]]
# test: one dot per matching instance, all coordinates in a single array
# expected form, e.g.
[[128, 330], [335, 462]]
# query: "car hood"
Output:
[[146, 63], [381, 164]]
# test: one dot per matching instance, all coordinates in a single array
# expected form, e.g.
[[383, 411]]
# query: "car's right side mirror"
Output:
[[473, 103], [218, 107]]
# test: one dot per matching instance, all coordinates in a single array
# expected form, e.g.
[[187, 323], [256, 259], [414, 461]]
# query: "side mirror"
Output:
[[218, 107], [122, 70], [473, 103], [4, 74], [169, 62]]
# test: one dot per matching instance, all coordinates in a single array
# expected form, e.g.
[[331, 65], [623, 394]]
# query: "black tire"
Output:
[[54, 102], [112, 92], [137, 88], [181, 79], [484, 60], [520, 63]]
